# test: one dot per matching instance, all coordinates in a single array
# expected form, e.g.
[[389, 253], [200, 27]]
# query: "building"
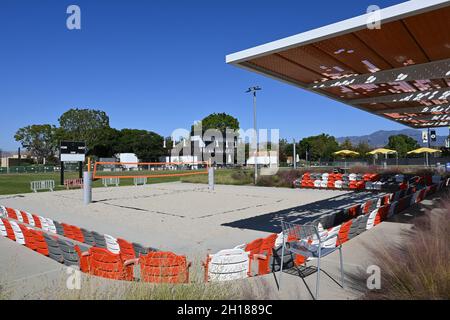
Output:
[[265, 159]]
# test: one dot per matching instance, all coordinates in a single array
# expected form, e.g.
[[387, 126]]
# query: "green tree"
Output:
[[39, 140], [362, 148], [283, 150], [219, 121], [346, 145], [84, 125], [319, 147], [106, 143], [402, 144], [147, 145]]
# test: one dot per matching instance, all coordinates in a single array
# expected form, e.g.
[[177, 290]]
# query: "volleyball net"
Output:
[[131, 170]]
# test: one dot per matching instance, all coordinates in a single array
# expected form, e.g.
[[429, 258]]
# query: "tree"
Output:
[[83, 125], [106, 144], [346, 144], [402, 144], [283, 150], [219, 121], [147, 145], [39, 140], [319, 147], [362, 148]]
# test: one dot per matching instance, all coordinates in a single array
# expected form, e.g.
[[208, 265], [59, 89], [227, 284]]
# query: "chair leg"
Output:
[[318, 278], [281, 266], [342, 266]]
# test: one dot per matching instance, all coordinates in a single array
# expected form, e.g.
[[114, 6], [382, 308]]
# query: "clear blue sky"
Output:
[[160, 64]]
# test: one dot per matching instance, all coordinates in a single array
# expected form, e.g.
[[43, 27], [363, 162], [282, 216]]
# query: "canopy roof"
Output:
[[382, 151], [400, 71], [346, 153], [424, 150]]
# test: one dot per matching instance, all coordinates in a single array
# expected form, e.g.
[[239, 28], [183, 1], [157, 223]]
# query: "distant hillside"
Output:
[[381, 138]]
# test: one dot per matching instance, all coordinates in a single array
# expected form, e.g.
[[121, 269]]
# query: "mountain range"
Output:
[[380, 138]]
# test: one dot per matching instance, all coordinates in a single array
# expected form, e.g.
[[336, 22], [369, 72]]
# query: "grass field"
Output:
[[20, 183]]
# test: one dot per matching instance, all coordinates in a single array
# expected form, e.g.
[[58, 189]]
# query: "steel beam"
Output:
[[430, 124], [437, 94], [419, 109], [425, 71], [428, 117]]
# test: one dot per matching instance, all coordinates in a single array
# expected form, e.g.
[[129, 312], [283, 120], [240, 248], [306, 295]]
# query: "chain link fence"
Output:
[[68, 167]]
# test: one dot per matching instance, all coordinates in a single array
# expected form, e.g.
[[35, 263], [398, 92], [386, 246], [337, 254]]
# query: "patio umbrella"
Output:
[[346, 153], [382, 151], [426, 151]]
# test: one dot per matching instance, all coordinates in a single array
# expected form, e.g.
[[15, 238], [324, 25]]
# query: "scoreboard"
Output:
[[72, 151]]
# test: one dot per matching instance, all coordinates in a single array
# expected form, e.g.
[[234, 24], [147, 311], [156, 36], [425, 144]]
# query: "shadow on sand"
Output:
[[271, 222]]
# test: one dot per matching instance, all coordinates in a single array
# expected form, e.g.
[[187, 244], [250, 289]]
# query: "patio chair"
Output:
[[317, 183], [51, 226], [77, 234], [103, 263], [70, 252], [140, 250], [37, 221], [3, 212], [43, 223], [3, 229], [111, 244], [88, 237], [20, 238], [100, 241], [371, 220], [19, 216], [126, 249], [162, 267], [11, 213], [40, 243], [28, 236], [59, 228], [309, 245], [8, 229], [28, 218], [54, 251], [226, 265]]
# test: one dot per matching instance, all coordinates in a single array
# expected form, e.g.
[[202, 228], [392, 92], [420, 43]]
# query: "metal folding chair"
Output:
[[305, 240]]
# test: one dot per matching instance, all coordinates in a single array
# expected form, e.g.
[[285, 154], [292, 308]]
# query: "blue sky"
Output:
[[160, 64]]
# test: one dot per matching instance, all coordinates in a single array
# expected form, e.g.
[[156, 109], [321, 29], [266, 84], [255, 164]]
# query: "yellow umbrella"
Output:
[[423, 150], [426, 151], [346, 153], [382, 151]]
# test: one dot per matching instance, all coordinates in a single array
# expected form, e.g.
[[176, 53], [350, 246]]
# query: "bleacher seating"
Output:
[[110, 257]]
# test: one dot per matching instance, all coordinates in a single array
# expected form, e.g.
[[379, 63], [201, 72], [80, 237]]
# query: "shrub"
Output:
[[418, 267]]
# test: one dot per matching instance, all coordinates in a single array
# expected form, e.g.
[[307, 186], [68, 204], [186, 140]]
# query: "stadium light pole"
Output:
[[254, 90]]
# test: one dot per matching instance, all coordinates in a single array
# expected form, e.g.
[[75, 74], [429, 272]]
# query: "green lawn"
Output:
[[224, 176], [20, 183]]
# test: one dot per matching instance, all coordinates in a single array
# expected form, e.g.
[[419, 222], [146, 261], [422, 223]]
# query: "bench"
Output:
[[140, 181], [73, 183], [110, 182], [42, 185]]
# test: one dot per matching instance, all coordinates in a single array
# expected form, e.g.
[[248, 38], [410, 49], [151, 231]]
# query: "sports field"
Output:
[[20, 183], [184, 217]]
